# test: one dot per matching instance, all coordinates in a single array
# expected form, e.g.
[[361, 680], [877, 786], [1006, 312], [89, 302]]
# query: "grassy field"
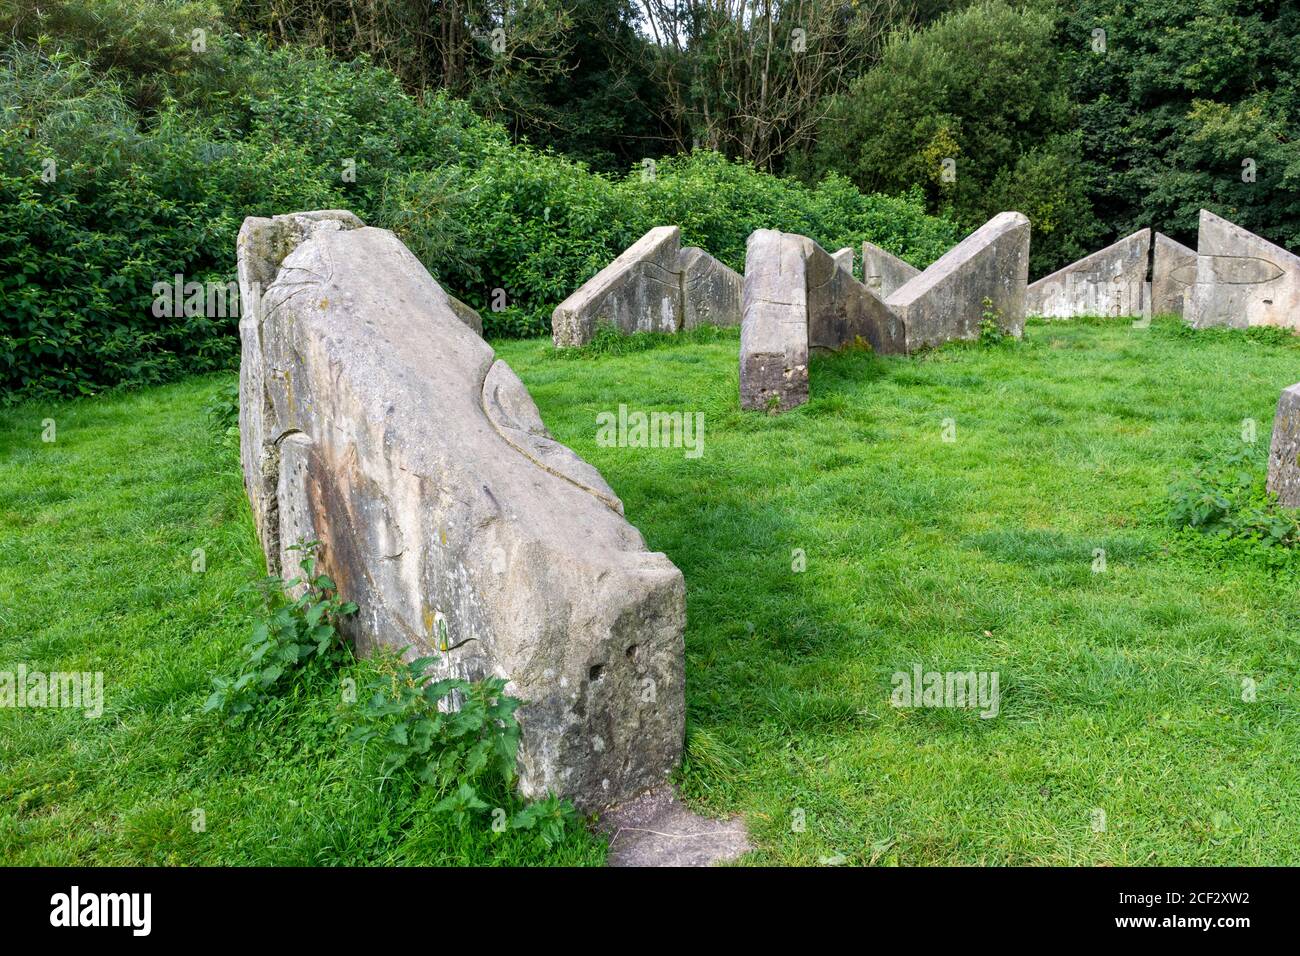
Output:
[[1121, 689]]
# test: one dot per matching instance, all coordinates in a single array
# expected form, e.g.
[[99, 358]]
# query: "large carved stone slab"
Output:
[[1111, 281], [774, 326], [1284, 452], [1241, 279], [654, 286], [883, 272], [466, 314], [374, 420], [1173, 273], [946, 301]]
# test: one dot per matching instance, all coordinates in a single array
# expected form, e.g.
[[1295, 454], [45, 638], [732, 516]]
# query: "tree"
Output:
[[975, 110], [1175, 100], [748, 78]]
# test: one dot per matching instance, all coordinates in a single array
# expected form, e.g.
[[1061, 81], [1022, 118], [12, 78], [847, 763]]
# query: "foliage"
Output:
[[991, 331], [297, 633], [748, 77], [981, 87], [417, 730], [1184, 93], [1226, 497], [458, 737], [222, 411], [138, 199], [147, 45]]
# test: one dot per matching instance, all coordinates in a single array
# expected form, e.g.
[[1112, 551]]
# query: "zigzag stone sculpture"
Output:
[[841, 310], [774, 323], [654, 286], [1241, 279], [798, 297], [947, 300], [375, 421], [1111, 281], [883, 272]]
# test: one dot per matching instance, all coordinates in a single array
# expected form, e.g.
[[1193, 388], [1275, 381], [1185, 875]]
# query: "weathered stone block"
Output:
[[844, 259], [374, 420], [1111, 281], [1284, 452], [946, 301], [774, 327], [466, 314], [841, 310], [883, 272], [1241, 279], [711, 291], [1173, 273], [654, 286], [640, 291]]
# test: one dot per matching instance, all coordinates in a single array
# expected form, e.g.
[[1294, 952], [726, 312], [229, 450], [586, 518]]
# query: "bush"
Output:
[[1226, 500], [297, 633], [137, 198], [542, 225]]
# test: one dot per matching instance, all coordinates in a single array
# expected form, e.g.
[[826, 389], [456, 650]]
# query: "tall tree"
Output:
[[748, 77]]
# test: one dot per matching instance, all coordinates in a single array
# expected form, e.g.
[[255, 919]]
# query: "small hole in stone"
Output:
[[631, 651], [596, 671]]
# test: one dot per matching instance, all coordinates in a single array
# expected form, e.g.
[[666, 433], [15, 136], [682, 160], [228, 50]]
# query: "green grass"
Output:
[[1121, 690], [99, 528]]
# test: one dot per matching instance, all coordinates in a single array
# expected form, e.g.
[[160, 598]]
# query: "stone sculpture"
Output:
[[799, 298], [1284, 451], [1173, 273], [466, 314], [654, 286], [844, 259], [1111, 281], [883, 272], [774, 324], [986, 272], [375, 421], [841, 310], [1241, 279]]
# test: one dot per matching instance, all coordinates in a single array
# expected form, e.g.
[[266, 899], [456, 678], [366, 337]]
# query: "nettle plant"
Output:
[[1227, 498], [991, 332], [457, 736], [297, 633]]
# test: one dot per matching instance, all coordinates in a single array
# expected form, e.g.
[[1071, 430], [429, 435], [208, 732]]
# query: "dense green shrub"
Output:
[[297, 634], [1184, 93], [1226, 500], [137, 198], [538, 226]]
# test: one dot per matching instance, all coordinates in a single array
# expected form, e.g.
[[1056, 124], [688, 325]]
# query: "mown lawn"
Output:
[[1121, 690]]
